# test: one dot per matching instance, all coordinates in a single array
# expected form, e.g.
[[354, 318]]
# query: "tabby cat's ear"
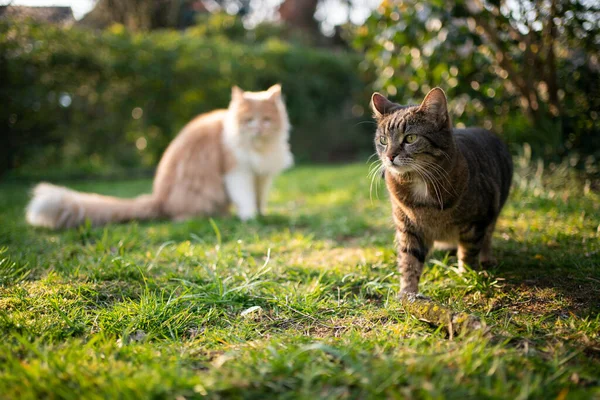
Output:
[[381, 105], [274, 91], [236, 93], [436, 105]]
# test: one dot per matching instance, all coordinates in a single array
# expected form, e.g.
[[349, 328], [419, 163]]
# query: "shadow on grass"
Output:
[[569, 272], [558, 283]]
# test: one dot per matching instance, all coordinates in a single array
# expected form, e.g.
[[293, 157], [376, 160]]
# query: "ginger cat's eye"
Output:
[[383, 140], [410, 138]]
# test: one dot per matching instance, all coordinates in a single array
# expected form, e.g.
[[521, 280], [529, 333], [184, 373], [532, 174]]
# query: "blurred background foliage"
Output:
[[109, 92], [83, 100], [529, 70]]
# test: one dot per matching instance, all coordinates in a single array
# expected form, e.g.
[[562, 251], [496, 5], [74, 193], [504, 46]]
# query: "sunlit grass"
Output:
[[300, 303]]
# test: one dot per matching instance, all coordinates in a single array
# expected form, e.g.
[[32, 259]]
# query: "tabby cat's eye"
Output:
[[383, 140], [410, 138]]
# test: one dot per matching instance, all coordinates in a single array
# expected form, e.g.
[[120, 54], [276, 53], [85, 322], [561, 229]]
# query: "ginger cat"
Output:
[[221, 157]]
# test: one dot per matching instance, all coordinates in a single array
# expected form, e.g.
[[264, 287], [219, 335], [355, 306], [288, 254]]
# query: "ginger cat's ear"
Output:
[[274, 91], [381, 105], [236, 93]]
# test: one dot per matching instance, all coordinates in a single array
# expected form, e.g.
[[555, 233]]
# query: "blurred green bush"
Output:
[[82, 100]]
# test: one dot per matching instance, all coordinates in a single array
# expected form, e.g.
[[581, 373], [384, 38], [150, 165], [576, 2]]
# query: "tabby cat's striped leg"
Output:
[[412, 250], [486, 258], [470, 244]]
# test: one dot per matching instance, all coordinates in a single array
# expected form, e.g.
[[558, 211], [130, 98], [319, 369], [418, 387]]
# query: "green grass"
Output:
[[300, 304]]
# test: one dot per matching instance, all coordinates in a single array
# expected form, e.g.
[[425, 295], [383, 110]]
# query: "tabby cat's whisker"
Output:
[[371, 156], [431, 180], [434, 183], [365, 122], [441, 174], [373, 174]]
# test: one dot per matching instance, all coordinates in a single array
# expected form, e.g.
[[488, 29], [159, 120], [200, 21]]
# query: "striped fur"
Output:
[[446, 185]]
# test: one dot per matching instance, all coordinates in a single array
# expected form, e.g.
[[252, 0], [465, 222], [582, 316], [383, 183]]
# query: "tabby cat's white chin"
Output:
[[398, 169]]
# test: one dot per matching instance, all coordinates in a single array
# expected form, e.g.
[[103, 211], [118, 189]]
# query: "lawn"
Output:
[[299, 304]]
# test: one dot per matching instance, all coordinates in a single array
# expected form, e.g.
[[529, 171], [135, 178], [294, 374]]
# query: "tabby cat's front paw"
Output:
[[409, 286], [408, 292], [412, 296]]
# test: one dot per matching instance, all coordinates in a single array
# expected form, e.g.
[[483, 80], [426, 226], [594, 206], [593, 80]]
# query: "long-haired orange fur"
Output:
[[222, 157]]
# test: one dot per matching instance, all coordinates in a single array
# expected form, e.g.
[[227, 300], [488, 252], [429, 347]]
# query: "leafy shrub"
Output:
[[532, 76], [86, 100]]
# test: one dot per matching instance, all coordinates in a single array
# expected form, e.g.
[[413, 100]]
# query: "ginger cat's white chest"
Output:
[[274, 161]]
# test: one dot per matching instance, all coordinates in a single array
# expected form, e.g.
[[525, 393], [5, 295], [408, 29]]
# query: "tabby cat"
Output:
[[447, 186], [222, 157]]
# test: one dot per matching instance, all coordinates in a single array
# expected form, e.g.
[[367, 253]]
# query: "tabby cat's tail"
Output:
[[57, 207]]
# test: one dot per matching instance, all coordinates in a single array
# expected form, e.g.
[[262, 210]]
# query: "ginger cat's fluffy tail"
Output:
[[57, 207]]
